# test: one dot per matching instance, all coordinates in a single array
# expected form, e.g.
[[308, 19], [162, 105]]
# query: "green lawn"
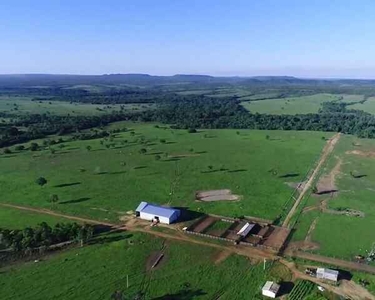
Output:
[[97, 184], [340, 235], [24, 105], [94, 272], [290, 105]]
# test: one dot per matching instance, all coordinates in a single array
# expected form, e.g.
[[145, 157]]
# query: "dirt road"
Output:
[[328, 148]]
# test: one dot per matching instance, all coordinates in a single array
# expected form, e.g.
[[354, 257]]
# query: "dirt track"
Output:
[[325, 154]]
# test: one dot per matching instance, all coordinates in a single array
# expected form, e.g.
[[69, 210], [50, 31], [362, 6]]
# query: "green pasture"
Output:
[[11, 218], [367, 106], [96, 271], [24, 105], [345, 236], [289, 105], [105, 183]]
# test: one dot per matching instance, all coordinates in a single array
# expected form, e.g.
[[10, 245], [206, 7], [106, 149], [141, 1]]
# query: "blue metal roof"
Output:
[[156, 210], [141, 206]]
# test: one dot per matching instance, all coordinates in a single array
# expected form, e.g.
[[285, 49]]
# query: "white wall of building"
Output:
[[269, 294], [150, 217]]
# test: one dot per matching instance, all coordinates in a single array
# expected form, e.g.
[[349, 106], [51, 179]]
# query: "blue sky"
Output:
[[317, 38]]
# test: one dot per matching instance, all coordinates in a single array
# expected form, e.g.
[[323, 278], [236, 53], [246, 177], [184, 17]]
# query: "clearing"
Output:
[[290, 105]]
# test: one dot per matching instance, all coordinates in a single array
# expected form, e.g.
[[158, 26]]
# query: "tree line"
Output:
[[43, 236]]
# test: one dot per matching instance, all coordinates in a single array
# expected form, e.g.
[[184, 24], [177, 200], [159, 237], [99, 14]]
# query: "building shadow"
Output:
[[285, 288], [188, 215]]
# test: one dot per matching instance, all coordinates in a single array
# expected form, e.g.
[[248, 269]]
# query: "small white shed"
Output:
[[270, 289], [328, 274], [151, 212]]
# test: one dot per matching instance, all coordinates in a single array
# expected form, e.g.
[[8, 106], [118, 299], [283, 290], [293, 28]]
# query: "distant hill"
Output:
[[30, 80]]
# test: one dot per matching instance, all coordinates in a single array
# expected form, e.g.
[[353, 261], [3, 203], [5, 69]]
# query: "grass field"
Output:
[[367, 106], [24, 105], [97, 271], [345, 236], [105, 183], [16, 219], [290, 105]]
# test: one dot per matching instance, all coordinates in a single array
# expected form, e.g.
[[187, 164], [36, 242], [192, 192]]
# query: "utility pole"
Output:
[[264, 264]]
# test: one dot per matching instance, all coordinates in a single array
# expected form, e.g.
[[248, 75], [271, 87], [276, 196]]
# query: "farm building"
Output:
[[151, 212], [270, 289], [328, 274], [245, 230]]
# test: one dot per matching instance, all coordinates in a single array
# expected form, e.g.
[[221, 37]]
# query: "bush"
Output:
[[19, 148], [7, 151], [192, 130], [34, 147]]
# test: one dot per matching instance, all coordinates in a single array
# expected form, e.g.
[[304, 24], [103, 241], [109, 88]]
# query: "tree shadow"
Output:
[[326, 192], [109, 239], [101, 228], [359, 176], [169, 143], [67, 184], [155, 153], [140, 167], [182, 295], [116, 172], [285, 288], [75, 200], [188, 215], [289, 175], [101, 173], [215, 171], [173, 159], [238, 170], [201, 152]]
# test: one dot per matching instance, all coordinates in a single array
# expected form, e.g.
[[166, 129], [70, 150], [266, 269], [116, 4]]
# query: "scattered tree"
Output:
[[7, 151], [143, 151], [19, 148], [157, 157], [34, 147], [41, 181], [88, 148], [192, 130], [54, 198]]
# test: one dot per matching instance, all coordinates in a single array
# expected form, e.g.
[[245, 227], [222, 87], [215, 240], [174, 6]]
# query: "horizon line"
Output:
[[192, 74]]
